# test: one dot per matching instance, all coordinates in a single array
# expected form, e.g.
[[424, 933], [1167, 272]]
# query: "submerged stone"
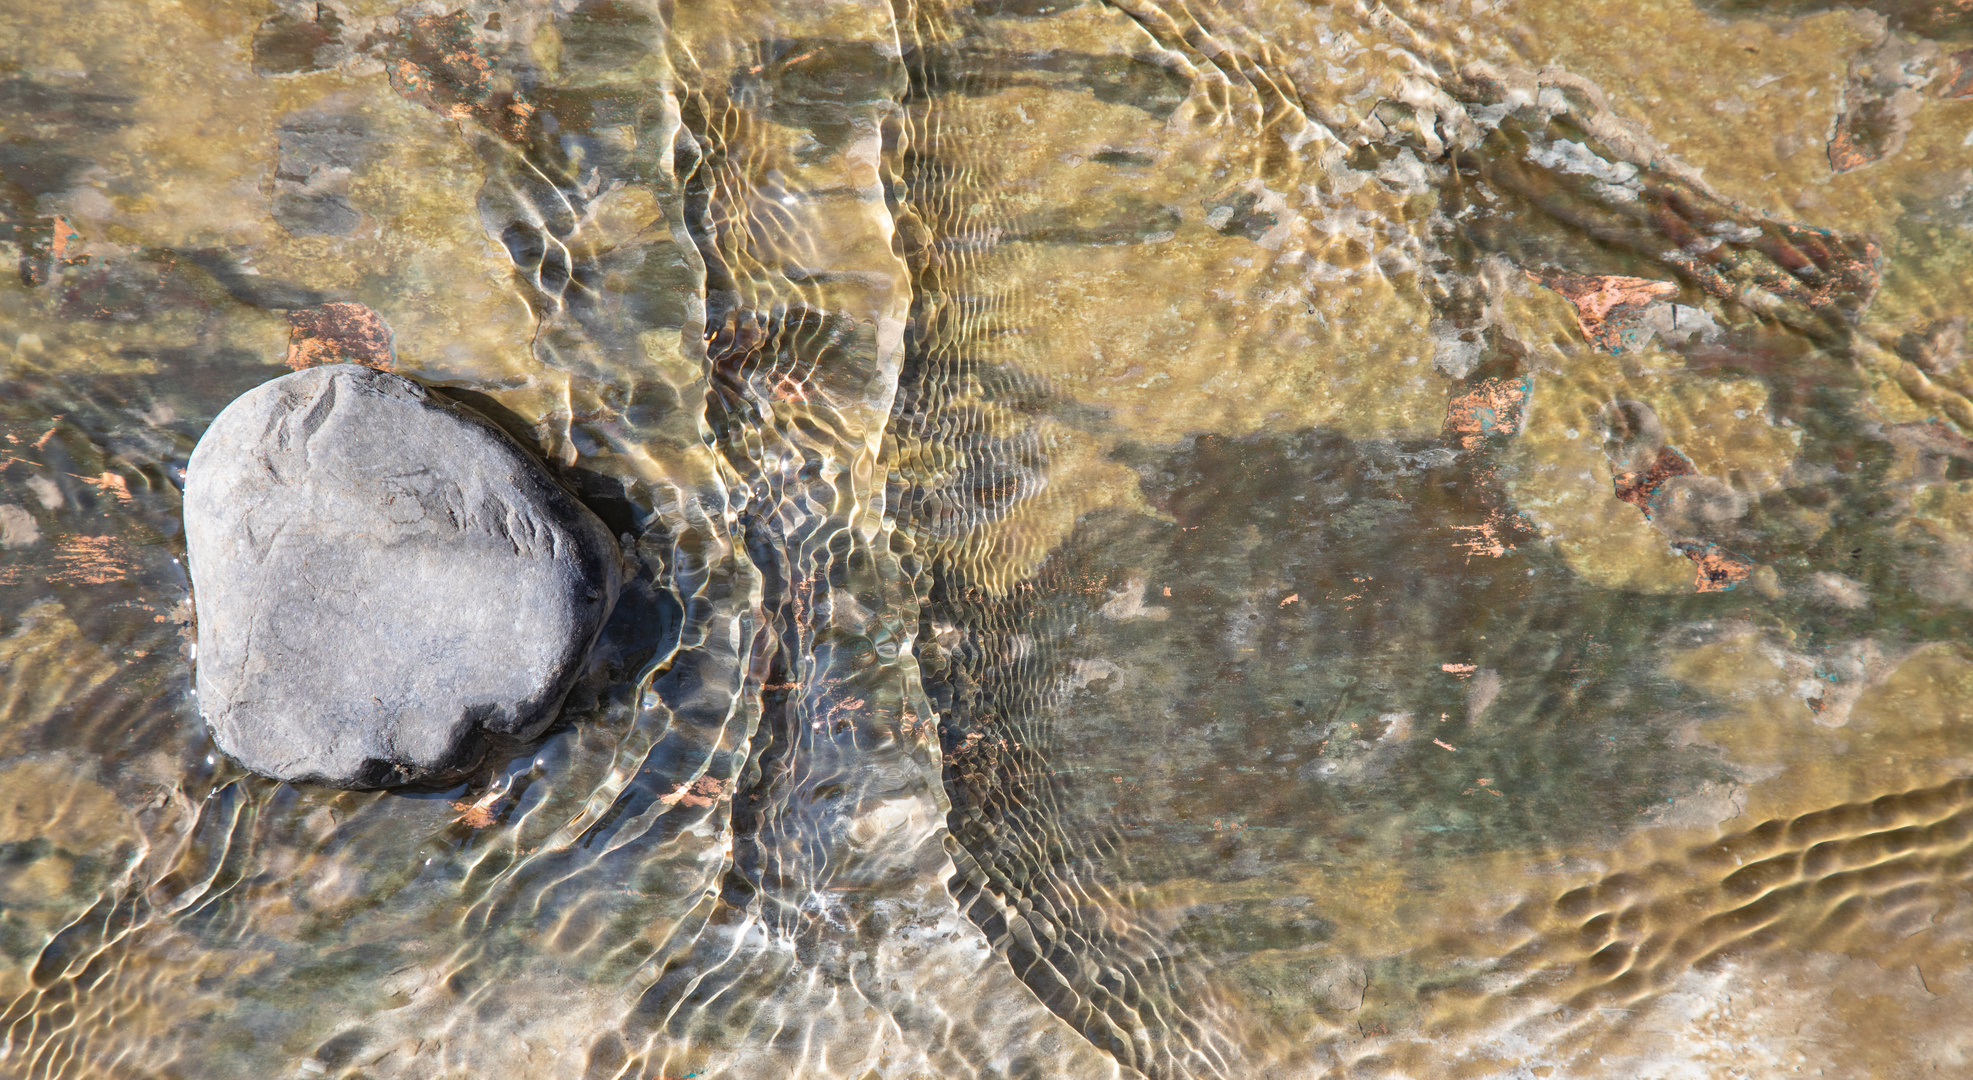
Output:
[[382, 579]]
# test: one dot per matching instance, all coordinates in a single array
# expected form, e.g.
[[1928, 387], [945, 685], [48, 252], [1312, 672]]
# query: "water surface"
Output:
[[1192, 539]]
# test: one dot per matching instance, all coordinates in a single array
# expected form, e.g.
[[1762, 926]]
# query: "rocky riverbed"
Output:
[[1208, 539]]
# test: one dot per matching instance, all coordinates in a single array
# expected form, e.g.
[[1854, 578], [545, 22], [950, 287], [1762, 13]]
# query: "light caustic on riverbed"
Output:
[[1185, 539]]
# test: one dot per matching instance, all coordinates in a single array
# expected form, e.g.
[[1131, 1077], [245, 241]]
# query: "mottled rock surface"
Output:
[[381, 580]]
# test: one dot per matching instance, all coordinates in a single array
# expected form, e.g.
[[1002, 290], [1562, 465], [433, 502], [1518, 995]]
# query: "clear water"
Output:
[[1197, 539]]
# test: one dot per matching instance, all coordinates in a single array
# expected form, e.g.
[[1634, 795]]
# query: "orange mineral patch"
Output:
[[338, 333], [1959, 76], [1719, 569], [479, 814], [701, 792], [91, 560], [1489, 536], [1637, 487], [441, 65], [1489, 407], [108, 483], [1608, 309]]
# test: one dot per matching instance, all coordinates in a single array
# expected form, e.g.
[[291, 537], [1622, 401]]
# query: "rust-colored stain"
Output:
[[91, 560], [789, 389], [481, 812], [1881, 98], [46, 244], [478, 815], [1846, 151], [1637, 488], [336, 333], [1728, 250], [1608, 309], [108, 483], [1959, 76], [62, 239], [1823, 270], [1735, 256], [701, 792], [1490, 407], [441, 67], [1720, 570], [1489, 536]]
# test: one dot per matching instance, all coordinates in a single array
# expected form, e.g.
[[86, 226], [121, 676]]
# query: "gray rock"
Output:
[[321, 149], [381, 580]]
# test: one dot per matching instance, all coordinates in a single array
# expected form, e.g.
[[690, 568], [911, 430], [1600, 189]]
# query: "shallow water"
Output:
[[1194, 539]]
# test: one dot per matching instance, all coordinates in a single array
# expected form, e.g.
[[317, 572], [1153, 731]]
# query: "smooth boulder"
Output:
[[382, 579]]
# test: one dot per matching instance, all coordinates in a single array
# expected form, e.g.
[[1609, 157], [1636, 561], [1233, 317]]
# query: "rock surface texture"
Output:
[[382, 579]]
